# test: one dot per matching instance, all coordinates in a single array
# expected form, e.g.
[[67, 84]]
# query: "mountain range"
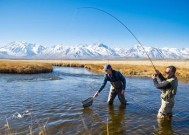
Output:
[[24, 50]]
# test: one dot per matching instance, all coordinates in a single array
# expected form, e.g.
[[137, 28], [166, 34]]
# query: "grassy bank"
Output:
[[24, 67], [131, 70], [139, 70], [127, 67]]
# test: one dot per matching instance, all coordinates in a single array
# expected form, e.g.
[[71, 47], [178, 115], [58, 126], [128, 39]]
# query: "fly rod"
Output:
[[124, 27]]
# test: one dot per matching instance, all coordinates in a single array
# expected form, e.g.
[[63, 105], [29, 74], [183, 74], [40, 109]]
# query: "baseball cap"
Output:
[[108, 66]]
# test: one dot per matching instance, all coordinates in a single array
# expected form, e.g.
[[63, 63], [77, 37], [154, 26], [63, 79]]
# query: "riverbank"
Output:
[[130, 70], [24, 67], [127, 67]]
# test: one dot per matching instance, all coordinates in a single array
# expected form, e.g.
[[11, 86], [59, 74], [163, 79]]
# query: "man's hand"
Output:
[[154, 76], [122, 92], [96, 94]]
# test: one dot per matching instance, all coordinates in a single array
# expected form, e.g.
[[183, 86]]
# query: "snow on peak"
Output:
[[21, 49], [96, 50]]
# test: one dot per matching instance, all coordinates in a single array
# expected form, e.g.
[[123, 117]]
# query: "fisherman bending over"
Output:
[[118, 84], [168, 88]]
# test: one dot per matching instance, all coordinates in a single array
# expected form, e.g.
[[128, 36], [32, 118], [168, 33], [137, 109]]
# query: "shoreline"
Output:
[[140, 68], [137, 70]]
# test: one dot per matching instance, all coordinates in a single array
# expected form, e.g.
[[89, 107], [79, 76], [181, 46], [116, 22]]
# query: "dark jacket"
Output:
[[116, 76], [168, 86], [163, 84]]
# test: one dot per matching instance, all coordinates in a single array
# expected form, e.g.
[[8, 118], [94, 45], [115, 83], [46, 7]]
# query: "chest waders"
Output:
[[167, 94], [117, 85], [116, 89], [167, 101]]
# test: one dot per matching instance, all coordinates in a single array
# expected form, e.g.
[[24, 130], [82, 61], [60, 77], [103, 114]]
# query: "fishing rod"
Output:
[[124, 27]]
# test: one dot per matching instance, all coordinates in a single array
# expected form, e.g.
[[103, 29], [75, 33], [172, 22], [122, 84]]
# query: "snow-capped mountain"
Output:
[[81, 51], [21, 49], [155, 53], [100, 51]]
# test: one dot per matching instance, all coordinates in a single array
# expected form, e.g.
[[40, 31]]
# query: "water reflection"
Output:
[[94, 123], [116, 119], [165, 127]]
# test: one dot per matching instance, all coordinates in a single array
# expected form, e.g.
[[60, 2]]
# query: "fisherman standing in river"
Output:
[[118, 84], [168, 88]]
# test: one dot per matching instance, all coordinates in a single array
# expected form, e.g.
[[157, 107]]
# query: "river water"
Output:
[[53, 102]]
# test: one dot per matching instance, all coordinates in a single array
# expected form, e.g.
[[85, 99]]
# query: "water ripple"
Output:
[[54, 100]]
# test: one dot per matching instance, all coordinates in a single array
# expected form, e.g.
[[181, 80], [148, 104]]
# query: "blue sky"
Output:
[[162, 23]]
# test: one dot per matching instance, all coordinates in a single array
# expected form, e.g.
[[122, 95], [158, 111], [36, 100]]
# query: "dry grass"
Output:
[[42, 129], [138, 70], [164, 63], [127, 67], [23, 67], [107, 127]]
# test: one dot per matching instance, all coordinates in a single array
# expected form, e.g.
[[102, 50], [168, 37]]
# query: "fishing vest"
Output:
[[171, 92], [116, 84]]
